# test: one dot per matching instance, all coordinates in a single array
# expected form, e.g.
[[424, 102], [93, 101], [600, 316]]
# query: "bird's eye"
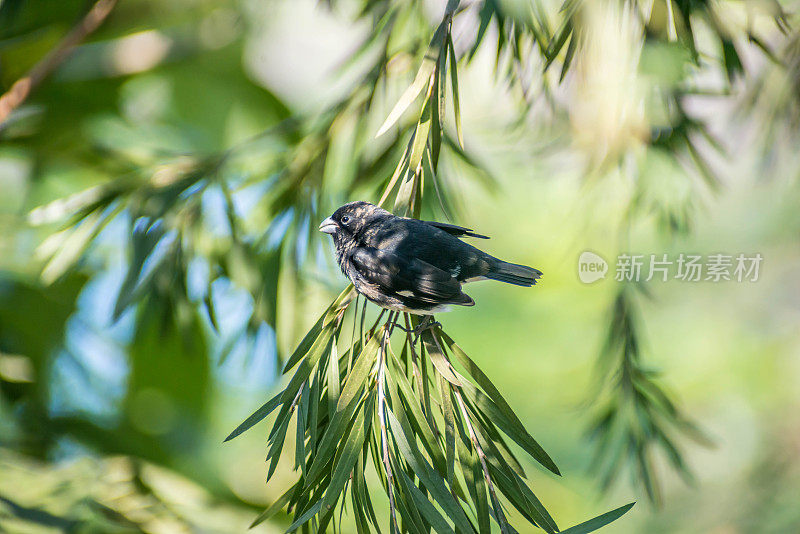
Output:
[[345, 219]]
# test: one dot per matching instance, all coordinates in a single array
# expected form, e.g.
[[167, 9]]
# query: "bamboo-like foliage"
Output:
[[432, 422], [635, 416], [294, 176]]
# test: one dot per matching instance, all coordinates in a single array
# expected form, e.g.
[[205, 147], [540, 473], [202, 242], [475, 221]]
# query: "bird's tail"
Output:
[[511, 273]]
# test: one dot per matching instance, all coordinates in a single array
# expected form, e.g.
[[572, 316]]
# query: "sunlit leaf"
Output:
[[454, 84], [599, 521], [420, 81], [257, 416]]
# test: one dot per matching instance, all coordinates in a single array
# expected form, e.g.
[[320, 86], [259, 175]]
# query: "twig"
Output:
[[22, 88], [382, 416], [296, 400], [498, 510], [363, 319], [411, 343], [526, 94], [421, 384], [353, 335], [377, 321]]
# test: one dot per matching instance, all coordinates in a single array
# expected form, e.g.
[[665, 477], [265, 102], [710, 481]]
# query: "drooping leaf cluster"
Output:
[[635, 416], [426, 418]]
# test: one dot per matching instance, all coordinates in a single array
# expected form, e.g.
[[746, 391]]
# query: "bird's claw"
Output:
[[426, 324]]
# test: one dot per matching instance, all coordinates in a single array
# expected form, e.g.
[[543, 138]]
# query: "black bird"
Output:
[[409, 265]]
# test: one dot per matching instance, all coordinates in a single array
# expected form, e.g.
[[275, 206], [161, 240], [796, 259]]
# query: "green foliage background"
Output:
[[159, 195]]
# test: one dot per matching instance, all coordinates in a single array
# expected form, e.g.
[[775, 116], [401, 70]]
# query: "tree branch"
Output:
[[23, 87], [381, 379], [498, 510]]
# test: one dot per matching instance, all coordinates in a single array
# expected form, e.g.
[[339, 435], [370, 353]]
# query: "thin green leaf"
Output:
[[325, 319], [303, 519], [410, 518], [363, 495], [568, 57], [518, 494], [420, 80], [495, 447], [409, 186], [276, 448], [300, 435], [256, 416], [454, 84], [418, 419], [730, 56], [333, 379], [431, 480], [431, 514], [481, 498], [448, 413], [485, 15], [599, 521], [311, 337], [345, 409], [350, 452], [276, 506], [488, 387], [402, 167], [313, 414], [146, 236], [512, 430], [438, 359]]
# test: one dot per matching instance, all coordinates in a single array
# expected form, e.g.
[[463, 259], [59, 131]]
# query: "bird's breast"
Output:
[[344, 248]]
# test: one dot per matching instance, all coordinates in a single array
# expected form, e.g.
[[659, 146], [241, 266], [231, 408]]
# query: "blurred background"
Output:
[[161, 186]]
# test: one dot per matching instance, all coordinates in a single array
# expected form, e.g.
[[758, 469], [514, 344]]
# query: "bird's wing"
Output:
[[398, 274], [455, 230]]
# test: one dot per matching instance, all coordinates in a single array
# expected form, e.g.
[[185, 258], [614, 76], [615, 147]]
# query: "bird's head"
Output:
[[350, 219]]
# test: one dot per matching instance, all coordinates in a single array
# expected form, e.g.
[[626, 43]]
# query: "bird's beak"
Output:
[[328, 226]]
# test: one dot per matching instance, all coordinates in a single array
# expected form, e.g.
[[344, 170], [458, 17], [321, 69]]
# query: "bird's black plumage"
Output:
[[411, 265]]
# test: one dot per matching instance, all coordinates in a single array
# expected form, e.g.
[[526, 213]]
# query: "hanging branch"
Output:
[[635, 416], [23, 87], [498, 510], [381, 380], [403, 440]]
